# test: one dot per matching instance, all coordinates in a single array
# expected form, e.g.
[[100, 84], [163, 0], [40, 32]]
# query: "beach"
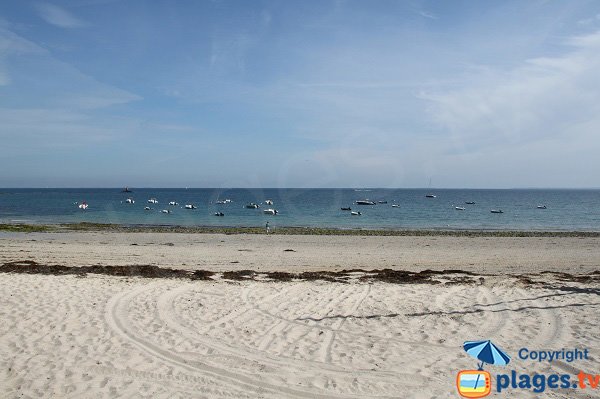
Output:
[[305, 316]]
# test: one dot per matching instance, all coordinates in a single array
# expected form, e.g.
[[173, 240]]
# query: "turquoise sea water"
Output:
[[566, 209]]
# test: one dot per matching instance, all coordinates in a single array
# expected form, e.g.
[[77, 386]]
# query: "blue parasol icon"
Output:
[[487, 352]]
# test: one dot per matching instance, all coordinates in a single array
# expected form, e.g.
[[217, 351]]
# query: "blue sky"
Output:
[[299, 93]]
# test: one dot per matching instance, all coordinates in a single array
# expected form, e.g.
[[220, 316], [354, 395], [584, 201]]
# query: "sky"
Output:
[[465, 94]]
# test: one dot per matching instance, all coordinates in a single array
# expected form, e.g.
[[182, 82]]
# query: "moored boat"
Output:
[[365, 202]]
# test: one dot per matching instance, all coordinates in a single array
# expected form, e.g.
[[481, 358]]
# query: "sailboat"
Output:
[[429, 195]]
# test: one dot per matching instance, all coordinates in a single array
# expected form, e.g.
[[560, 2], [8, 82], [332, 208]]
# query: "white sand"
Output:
[[104, 337]]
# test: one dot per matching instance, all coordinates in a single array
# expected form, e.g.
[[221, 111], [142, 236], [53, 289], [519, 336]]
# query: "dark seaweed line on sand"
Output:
[[384, 275], [30, 228]]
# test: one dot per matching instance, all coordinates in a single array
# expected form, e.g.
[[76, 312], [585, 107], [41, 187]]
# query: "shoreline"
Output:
[[287, 230], [294, 253]]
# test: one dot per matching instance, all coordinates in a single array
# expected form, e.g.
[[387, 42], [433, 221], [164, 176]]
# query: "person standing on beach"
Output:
[[267, 227]]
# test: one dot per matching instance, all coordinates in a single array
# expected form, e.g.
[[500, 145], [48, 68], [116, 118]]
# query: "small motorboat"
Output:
[[382, 202], [346, 208], [496, 211], [83, 205], [270, 211], [173, 203], [395, 206], [470, 202], [430, 196], [146, 208], [153, 201], [365, 202], [459, 208], [252, 205], [165, 211], [190, 206], [219, 214], [269, 202], [354, 213], [130, 201], [542, 207], [126, 190]]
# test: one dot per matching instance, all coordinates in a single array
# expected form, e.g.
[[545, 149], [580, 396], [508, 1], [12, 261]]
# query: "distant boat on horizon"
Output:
[[496, 211], [126, 190]]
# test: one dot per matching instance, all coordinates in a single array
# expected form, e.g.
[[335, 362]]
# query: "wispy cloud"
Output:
[[543, 97], [426, 14], [58, 16]]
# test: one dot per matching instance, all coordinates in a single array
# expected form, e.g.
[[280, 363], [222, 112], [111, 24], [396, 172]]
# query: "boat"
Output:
[[470, 202], [130, 201], [126, 190], [395, 206], [459, 208], [190, 206], [354, 213], [430, 196], [219, 214], [346, 209], [270, 211], [496, 211], [269, 202], [541, 207], [252, 205], [165, 211], [365, 202], [382, 202], [153, 201], [83, 205], [146, 208], [173, 203], [220, 202]]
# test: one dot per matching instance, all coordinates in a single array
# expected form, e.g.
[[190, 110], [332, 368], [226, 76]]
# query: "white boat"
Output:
[[219, 214], [395, 206], [269, 202], [364, 202], [153, 201], [190, 206], [354, 213], [252, 205], [541, 207], [270, 211], [430, 196], [496, 211], [146, 208], [459, 208], [173, 203], [220, 202], [83, 205], [382, 202], [165, 211], [130, 201]]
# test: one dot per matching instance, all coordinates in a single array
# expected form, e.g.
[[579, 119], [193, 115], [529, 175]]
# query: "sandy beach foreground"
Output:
[[100, 336]]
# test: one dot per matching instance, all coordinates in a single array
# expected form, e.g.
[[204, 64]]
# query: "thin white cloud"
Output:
[[544, 97], [58, 16], [428, 15]]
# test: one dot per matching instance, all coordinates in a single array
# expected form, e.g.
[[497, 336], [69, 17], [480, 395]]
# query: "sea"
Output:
[[566, 210]]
